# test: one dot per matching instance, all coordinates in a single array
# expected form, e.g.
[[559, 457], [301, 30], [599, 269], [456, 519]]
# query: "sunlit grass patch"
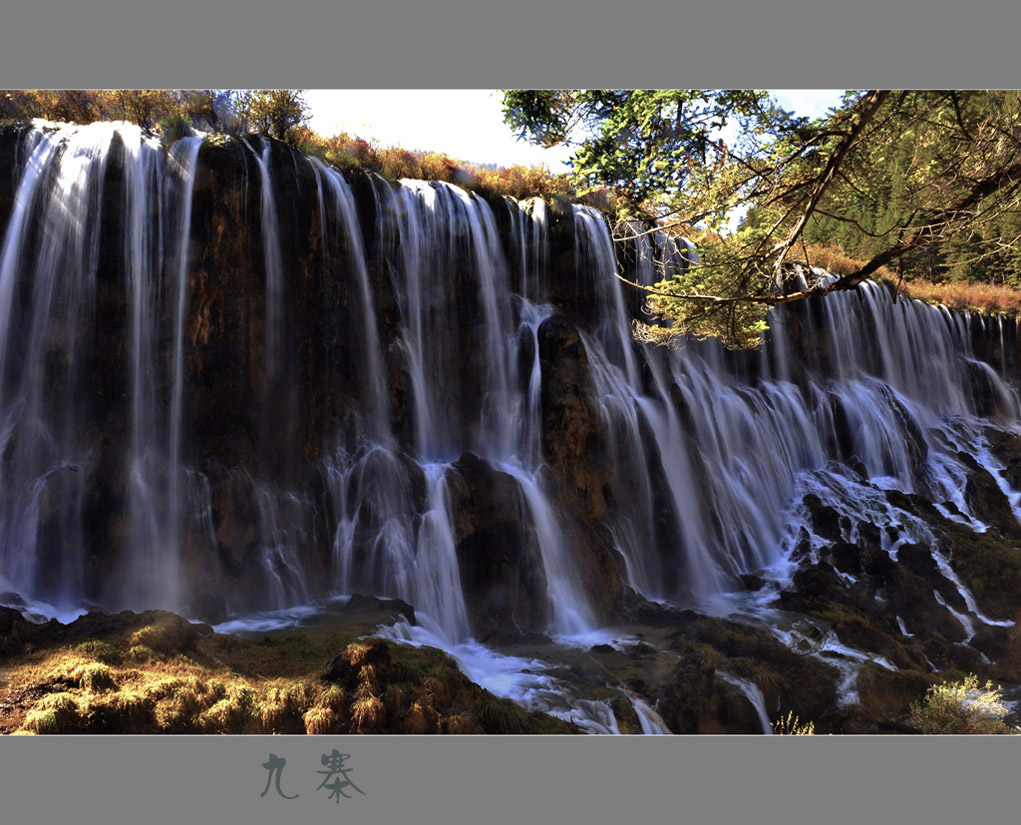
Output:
[[961, 707], [160, 676], [56, 713]]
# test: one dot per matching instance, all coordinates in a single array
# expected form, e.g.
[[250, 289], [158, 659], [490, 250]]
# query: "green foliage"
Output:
[[926, 150], [927, 180], [738, 324], [657, 150], [173, 128]]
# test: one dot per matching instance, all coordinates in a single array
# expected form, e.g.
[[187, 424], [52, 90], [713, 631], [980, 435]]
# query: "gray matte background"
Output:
[[497, 780], [453, 44]]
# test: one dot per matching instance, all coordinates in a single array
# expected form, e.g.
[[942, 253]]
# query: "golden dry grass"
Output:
[[991, 299], [961, 295], [139, 683], [834, 259]]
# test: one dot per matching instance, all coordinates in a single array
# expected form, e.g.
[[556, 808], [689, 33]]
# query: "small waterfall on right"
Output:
[[707, 460]]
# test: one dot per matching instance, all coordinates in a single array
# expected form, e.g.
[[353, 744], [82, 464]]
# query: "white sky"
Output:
[[466, 124]]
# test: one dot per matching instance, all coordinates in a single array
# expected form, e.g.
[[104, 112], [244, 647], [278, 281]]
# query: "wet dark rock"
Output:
[[987, 500], [859, 469], [983, 390], [159, 630], [918, 559], [803, 545], [10, 599], [575, 443], [953, 509], [825, 520], [577, 458], [817, 580], [845, 557], [642, 611], [210, 608], [878, 565], [869, 536], [752, 582], [8, 619], [502, 574], [624, 712], [988, 564], [10, 137], [789, 680], [888, 695], [375, 604], [992, 640], [1006, 447], [690, 697]]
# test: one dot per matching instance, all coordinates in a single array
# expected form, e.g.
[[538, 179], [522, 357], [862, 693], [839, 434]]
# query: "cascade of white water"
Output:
[[439, 228], [185, 153], [52, 249], [344, 221], [154, 556], [727, 453], [24, 478], [754, 695], [274, 265]]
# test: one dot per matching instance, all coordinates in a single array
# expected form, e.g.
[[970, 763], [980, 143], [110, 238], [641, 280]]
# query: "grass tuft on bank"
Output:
[[169, 676]]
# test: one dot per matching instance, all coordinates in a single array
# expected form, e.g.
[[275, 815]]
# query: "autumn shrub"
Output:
[[962, 295], [319, 721], [367, 714], [961, 707]]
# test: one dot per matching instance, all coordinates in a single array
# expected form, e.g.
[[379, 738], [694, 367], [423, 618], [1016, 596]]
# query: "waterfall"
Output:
[[398, 341], [62, 275], [753, 694]]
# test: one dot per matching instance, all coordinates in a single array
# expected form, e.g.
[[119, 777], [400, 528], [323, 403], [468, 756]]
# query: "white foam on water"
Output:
[[524, 681], [652, 723], [269, 620], [753, 694]]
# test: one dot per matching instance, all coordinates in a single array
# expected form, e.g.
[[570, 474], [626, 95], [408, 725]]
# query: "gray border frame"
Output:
[[452, 44]]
